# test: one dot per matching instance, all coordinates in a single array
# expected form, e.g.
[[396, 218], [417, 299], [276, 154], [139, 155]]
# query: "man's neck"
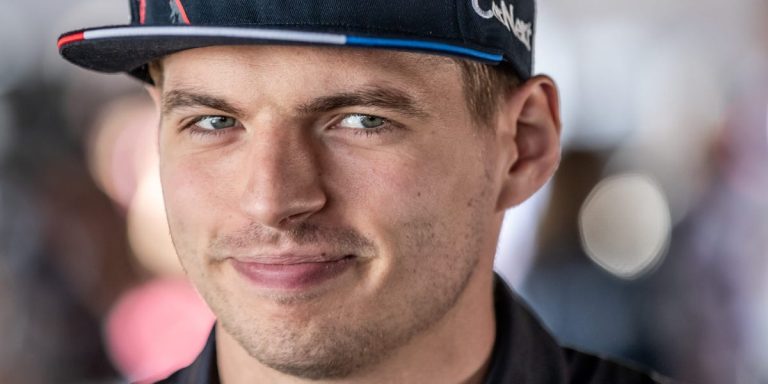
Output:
[[457, 349]]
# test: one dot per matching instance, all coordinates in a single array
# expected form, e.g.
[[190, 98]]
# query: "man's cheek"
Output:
[[394, 204], [187, 200]]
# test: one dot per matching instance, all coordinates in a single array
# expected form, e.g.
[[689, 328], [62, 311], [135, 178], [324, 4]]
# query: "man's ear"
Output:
[[528, 132]]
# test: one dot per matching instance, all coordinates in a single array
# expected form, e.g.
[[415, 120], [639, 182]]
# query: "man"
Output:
[[335, 176]]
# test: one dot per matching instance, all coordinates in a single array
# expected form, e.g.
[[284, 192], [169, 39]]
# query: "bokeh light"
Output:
[[157, 328], [625, 225]]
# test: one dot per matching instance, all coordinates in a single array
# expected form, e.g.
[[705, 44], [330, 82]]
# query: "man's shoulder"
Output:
[[584, 368], [526, 352]]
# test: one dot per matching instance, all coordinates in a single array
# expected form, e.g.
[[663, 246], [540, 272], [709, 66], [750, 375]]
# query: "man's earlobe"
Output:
[[529, 132]]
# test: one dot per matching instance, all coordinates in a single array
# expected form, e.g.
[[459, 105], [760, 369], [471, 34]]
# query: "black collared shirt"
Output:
[[524, 353]]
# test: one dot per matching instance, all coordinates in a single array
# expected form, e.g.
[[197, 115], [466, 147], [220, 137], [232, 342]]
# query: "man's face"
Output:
[[329, 204]]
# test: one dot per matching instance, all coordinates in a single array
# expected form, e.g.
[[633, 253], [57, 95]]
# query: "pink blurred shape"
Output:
[[157, 328]]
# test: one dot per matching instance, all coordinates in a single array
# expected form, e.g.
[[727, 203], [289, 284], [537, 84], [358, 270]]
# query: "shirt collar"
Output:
[[524, 352], [204, 370]]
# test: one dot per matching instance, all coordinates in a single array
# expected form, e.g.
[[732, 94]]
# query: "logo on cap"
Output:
[[178, 14], [505, 14], [175, 13]]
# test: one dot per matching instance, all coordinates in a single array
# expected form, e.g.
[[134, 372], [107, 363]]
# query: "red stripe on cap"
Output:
[[183, 12], [142, 11], [79, 36]]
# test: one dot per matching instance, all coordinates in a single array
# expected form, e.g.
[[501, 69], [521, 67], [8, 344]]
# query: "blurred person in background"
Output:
[[83, 250], [713, 294], [77, 206], [64, 257]]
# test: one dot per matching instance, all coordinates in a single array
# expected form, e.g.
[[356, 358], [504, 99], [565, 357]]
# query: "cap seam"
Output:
[[457, 21]]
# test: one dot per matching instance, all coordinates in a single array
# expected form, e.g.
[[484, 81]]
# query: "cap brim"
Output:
[[130, 48]]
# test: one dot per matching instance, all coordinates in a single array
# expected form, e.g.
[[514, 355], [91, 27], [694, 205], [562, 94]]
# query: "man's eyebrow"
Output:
[[382, 97], [182, 98]]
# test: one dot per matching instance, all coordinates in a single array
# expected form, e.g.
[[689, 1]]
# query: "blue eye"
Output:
[[214, 123], [358, 121]]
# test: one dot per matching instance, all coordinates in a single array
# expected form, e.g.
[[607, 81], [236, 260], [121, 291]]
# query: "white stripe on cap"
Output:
[[244, 33]]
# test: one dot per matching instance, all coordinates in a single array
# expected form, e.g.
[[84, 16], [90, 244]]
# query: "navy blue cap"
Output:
[[489, 31]]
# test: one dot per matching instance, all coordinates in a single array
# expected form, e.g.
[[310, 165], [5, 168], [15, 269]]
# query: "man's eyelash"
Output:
[[200, 132], [373, 131], [189, 125]]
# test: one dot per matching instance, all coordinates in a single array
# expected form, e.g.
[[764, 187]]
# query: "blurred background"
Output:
[[649, 245]]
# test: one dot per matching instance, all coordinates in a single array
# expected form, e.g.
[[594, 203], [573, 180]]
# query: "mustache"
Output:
[[254, 235]]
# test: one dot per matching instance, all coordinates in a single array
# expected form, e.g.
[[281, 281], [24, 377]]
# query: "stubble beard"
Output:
[[339, 343], [343, 342]]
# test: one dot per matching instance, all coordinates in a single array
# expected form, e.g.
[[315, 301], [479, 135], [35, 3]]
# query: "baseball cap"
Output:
[[489, 31]]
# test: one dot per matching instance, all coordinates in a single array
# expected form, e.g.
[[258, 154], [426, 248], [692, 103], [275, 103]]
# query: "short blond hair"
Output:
[[484, 88]]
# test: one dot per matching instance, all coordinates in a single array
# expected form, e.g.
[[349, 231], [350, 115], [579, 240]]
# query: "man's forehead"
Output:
[[305, 81], [194, 67]]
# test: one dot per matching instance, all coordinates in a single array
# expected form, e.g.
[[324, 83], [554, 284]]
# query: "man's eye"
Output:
[[363, 122], [213, 123]]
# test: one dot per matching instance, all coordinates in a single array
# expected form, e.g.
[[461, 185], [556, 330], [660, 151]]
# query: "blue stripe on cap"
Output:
[[416, 44]]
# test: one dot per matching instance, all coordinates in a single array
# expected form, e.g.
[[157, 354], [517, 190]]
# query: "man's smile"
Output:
[[291, 272]]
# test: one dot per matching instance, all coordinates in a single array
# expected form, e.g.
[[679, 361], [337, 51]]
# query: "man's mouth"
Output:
[[292, 272]]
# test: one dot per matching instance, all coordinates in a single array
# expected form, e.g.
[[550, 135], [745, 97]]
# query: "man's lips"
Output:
[[292, 272]]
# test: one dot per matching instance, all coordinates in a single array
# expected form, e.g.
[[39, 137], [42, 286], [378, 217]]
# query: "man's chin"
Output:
[[318, 351], [324, 369]]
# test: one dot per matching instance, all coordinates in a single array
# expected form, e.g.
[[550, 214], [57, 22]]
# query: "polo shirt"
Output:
[[524, 353]]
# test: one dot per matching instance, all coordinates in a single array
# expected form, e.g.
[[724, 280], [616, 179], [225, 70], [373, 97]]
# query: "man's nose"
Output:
[[284, 186]]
